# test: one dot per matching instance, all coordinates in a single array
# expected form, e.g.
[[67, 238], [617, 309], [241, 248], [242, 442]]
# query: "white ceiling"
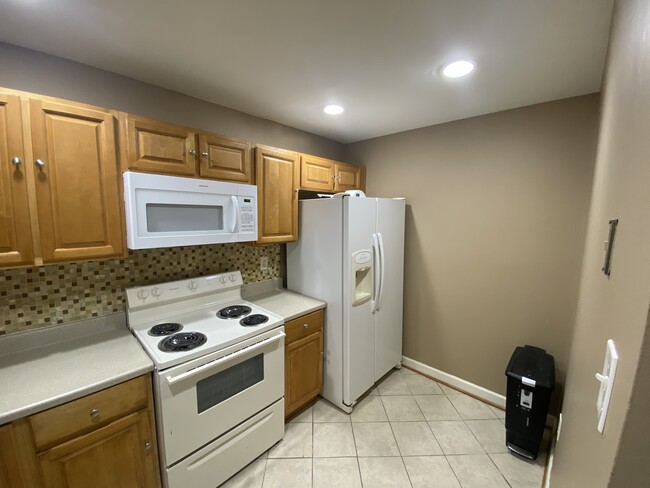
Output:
[[284, 60]]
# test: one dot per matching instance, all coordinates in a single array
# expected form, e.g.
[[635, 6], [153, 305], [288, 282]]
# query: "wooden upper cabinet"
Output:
[[277, 175], [348, 177], [15, 229], [157, 147], [316, 173], [76, 181], [320, 174], [224, 158]]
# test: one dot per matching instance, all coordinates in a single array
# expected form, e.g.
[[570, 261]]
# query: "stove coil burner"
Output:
[[234, 312], [183, 341], [165, 329], [253, 320]]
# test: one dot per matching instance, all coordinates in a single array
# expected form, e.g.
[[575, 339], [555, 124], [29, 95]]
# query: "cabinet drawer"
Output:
[[303, 326], [88, 413]]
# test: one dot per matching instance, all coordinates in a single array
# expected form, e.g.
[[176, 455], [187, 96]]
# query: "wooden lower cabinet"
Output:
[[303, 361], [104, 440], [115, 455]]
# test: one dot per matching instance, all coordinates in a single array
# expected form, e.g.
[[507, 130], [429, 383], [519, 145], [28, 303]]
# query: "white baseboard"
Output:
[[466, 387], [456, 382]]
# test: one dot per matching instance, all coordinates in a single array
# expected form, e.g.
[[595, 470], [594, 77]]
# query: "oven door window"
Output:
[[219, 387], [166, 217]]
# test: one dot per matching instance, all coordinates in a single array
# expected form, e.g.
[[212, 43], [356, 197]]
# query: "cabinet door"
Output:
[[303, 371], [224, 158], [15, 228], [348, 177], [316, 174], [120, 454], [277, 175], [158, 147], [77, 192]]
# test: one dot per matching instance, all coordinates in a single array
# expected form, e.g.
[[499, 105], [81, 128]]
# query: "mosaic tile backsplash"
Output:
[[54, 294]]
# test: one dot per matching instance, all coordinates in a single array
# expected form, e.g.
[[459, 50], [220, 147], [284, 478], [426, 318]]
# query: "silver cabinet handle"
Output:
[[16, 161], [204, 154], [306, 325], [147, 446], [94, 413], [192, 152], [39, 164]]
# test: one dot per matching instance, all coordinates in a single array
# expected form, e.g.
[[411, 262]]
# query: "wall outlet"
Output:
[[264, 263]]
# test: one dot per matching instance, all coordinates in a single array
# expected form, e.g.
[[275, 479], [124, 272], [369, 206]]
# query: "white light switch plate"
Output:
[[606, 379]]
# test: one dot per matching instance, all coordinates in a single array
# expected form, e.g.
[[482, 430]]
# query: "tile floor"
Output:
[[408, 432]]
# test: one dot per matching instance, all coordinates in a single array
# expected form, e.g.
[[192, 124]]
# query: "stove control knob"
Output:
[[142, 294], [193, 286], [223, 280], [156, 292], [232, 278]]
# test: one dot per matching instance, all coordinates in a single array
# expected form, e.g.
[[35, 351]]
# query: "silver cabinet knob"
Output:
[[39, 164], [147, 446], [192, 152], [306, 325], [94, 413], [16, 161], [204, 154]]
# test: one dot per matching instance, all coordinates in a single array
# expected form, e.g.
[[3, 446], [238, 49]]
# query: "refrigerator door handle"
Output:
[[375, 272], [382, 271]]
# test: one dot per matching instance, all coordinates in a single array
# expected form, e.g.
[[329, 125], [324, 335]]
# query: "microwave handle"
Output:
[[235, 214], [171, 380]]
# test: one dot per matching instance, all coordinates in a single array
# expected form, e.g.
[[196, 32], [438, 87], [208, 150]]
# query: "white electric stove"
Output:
[[219, 380]]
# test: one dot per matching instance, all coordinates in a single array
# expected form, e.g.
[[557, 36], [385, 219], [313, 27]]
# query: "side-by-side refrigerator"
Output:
[[350, 253]]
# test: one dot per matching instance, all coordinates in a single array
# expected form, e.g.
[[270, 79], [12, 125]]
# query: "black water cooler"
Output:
[[531, 380]]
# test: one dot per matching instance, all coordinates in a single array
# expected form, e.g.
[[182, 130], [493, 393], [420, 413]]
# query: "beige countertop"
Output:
[[286, 303], [44, 368]]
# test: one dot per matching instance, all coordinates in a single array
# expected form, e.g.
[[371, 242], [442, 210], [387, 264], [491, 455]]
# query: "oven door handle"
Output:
[[172, 380]]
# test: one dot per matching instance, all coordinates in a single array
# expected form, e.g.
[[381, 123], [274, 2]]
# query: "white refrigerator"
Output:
[[350, 253]]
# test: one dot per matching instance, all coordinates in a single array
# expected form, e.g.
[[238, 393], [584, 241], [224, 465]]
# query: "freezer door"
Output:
[[388, 313], [359, 220]]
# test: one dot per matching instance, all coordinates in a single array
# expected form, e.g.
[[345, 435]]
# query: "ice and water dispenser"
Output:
[[362, 277]]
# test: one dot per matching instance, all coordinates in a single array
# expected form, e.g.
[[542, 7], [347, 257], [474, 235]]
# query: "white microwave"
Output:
[[169, 211]]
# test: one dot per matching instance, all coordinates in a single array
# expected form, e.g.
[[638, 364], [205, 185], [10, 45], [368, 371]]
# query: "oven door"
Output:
[[200, 400]]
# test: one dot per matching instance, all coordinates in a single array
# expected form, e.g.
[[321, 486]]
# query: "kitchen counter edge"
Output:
[[43, 363]]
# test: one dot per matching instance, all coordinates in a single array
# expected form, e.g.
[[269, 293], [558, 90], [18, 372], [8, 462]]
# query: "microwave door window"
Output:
[[169, 217]]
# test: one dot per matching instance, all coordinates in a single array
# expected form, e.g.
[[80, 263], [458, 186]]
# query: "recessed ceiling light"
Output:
[[333, 109], [458, 69]]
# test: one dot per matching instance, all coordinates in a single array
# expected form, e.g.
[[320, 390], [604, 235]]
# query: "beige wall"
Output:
[[631, 467], [32, 71], [615, 307], [496, 218]]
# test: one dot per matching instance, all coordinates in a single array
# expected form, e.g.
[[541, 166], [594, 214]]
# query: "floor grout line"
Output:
[[401, 456]]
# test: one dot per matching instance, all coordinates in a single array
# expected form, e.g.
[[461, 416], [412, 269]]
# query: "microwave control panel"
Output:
[[247, 214]]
